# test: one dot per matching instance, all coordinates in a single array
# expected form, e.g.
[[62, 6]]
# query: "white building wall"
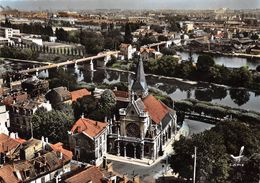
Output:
[[4, 120]]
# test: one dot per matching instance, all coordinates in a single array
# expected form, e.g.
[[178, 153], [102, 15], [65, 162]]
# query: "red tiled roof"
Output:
[[7, 143], [58, 148], [90, 174], [19, 140], [148, 50], [90, 127], [7, 175], [123, 45], [123, 94], [156, 109], [79, 93]]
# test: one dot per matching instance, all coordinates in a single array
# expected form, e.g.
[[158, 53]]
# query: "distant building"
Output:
[[88, 140], [8, 32], [4, 120], [35, 87], [127, 50]]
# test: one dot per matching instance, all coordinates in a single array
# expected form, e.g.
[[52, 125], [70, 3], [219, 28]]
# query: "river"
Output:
[[177, 90], [232, 62]]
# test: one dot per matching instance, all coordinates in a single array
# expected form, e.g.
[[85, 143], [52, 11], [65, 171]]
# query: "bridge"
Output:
[[106, 56], [26, 61], [164, 43]]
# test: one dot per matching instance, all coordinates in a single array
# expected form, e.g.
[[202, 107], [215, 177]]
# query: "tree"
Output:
[[212, 162], [241, 77], [258, 68], [204, 63], [61, 34], [85, 106], [128, 33], [168, 51], [239, 96], [93, 42], [107, 103], [213, 154], [53, 124]]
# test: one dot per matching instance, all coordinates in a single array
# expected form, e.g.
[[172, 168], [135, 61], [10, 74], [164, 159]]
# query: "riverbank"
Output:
[[153, 75], [239, 55], [185, 81], [217, 53]]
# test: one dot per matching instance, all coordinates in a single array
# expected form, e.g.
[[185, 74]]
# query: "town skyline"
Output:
[[129, 4]]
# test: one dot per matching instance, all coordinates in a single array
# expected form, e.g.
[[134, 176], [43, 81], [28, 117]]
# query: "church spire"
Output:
[[139, 86]]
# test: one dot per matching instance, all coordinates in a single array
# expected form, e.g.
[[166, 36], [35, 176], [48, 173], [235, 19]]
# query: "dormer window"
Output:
[[27, 173]]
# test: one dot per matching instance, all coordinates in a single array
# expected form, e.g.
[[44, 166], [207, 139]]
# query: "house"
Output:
[[127, 50], [4, 119], [36, 161], [146, 53], [88, 140], [79, 94], [8, 145], [58, 95], [21, 114], [35, 87], [145, 127]]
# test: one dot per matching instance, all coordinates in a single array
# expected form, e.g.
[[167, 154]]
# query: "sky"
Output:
[[130, 4]]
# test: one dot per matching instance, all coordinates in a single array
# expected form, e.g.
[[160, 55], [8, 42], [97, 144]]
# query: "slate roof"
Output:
[[140, 81]]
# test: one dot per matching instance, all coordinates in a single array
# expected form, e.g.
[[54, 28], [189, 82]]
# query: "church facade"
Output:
[[144, 127]]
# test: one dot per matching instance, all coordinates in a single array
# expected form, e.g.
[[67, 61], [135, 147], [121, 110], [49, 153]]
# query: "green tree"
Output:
[[107, 103], [92, 41], [212, 162], [204, 63], [128, 34], [85, 106], [239, 96], [53, 124]]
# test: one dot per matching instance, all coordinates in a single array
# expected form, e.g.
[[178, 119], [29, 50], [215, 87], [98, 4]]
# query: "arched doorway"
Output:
[[138, 151], [130, 150]]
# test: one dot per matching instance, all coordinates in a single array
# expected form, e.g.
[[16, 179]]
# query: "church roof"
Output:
[[140, 81], [156, 109]]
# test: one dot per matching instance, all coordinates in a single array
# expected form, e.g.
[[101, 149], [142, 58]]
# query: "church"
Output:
[[144, 127]]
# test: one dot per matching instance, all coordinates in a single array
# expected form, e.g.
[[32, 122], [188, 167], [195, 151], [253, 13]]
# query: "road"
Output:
[[149, 174]]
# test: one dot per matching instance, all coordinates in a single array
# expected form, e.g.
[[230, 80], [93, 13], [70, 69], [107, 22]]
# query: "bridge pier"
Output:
[[158, 48], [91, 65]]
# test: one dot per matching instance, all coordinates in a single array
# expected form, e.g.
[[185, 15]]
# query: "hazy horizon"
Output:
[[129, 4]]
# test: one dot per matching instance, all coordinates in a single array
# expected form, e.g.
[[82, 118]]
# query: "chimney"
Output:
[[82, 116], [46, 140], [79, 129], [60, 155]]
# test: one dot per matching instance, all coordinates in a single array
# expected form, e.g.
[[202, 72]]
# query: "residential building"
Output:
[[79, 94], [127, 50], [35, 161], [35, 87], [21, 113], [88, 140], [4, 120], [88, 174], [58, 95]]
